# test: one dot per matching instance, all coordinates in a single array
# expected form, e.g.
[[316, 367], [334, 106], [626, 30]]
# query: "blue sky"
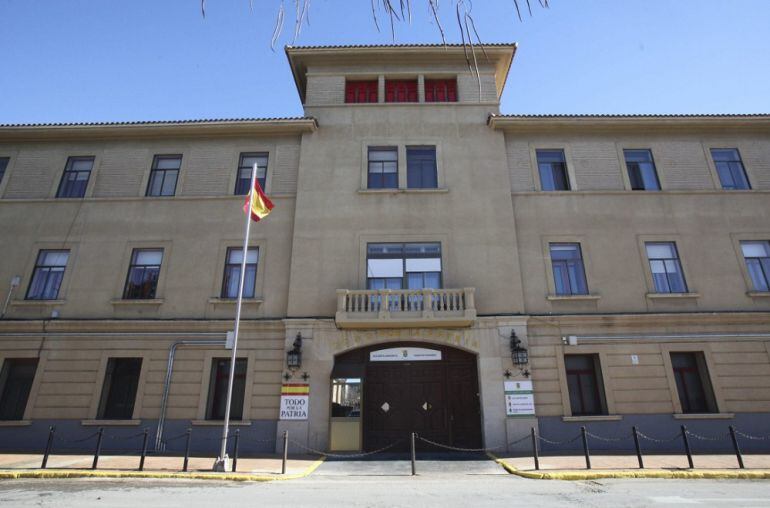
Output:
[[97, 60]]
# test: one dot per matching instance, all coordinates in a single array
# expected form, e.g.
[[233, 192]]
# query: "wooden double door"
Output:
[[439, 400]]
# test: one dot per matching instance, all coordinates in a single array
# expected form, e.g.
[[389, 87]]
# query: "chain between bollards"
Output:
[[187, 450], [585, 447], [638, 447], [687, 447], [414, 455], [737, 448], [98, 449], [48, 446], [235, 449], [534, 448], [144, 450], [285, 451]]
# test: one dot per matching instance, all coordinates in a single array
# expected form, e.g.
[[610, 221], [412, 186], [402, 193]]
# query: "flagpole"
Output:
[[222, 462]]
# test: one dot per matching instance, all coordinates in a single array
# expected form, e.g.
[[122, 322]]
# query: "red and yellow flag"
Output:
[[261, 205]]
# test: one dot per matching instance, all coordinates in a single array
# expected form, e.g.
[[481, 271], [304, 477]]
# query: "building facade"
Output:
[[420, 241]]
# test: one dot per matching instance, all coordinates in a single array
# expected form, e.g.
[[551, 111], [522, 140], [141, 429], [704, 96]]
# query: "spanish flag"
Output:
[[261, 205]]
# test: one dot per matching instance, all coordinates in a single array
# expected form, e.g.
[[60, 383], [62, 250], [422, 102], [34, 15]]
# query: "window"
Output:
[[361, 91], [15, 384], [403, 266], [164, 174], [75, 178], [440, 90], [641, 170], [757, 256], [383, 168], [142, 280], [553, 170], [568, 273], [346, 398], [692, 383], [3, 166], [665, 267], [121, 380], [232, 276], [421, 171], [220, 376], [730, 168], [401, 90], [245, 167], [47, 275], [584, 382]]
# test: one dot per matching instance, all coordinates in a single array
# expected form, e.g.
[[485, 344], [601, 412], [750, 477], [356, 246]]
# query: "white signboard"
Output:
[[295, 399], [405, 354], [519, 398]]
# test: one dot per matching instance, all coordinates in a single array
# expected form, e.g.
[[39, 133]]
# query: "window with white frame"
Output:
[[47, 275], [403, 266], [666, 267], [232, 276], [382, 170], [569, 274], [757, 257]]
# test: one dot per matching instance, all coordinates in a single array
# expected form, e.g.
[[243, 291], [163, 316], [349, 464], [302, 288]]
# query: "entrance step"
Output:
[[398, 464]]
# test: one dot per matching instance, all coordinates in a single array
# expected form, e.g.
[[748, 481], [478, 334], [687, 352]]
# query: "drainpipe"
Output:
[[167, 382], [14, 284], [572, 340]]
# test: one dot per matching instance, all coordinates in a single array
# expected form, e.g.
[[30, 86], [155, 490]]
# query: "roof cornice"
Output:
[[166, 129], [614, 122]]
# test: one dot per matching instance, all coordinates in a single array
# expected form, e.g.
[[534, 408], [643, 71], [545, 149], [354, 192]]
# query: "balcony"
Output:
[[405, 308]]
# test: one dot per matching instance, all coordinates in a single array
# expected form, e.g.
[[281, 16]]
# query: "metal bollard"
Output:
[[638, 448], [187, 450], [687, 447], [98, 447], [235, 449], [414, 456], [48, 446], [285, 451], [585, 447], [534, 449], [737, 448], [144, 450]]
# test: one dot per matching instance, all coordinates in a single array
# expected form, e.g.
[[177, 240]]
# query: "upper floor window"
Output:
[[641, 170], [730, 168], [74, 180], [164, 174], [403, 266], [440, 90], [666, 268], [16, 379], [757, 256], [421, 170], [48, 275], [3, 166], [692, 383], [232, 277], [400, 90], [569, 275], [382, 170], [217, 399], [245, 167], [143, 274], [552, 167], [361, 91], [121, 380], [585, 386]]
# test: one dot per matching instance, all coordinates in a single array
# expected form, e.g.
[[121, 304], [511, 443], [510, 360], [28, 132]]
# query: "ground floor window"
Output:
[[346, 398], [692, 383], [220, 376], [16, 379], [121, 380], [584, 382]]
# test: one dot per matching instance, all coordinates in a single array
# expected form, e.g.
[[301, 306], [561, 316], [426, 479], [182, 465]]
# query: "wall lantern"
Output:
[[519, 354], [294, 355]]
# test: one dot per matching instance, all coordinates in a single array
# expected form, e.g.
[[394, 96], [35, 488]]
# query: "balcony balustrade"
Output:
[[404, 308]]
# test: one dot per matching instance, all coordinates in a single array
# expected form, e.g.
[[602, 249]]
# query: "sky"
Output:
[[100, 60]]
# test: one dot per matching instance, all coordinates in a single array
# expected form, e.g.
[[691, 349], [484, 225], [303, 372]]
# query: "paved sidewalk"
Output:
[[629, 462]]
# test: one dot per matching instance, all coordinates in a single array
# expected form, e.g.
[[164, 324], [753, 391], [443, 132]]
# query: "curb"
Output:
[[715, 474], [83, 473]]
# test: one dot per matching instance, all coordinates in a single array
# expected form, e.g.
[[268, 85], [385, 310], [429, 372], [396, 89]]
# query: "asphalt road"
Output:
[[375, 484]]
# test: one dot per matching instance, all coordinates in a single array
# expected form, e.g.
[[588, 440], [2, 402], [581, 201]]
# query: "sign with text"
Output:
[[295, 401], [519, 398], [405, 354]]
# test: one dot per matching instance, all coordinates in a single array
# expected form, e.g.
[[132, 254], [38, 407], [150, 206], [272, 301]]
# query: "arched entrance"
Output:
[[411, 387]]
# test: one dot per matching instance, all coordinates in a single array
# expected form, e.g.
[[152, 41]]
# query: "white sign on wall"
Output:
[[405, 354], [295, 400], [519, 398]]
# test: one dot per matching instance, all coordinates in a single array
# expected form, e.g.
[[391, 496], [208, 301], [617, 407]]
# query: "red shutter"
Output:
[[440, 90], [360, 91], [401, 90]]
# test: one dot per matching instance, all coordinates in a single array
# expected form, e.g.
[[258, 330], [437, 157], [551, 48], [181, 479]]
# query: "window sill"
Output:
[[15, 423], [111, 423], [441, 190], [219, 423], [675, 296], [234, 301], [37, 303], [758, 294], [593, 418], [138, 302], [569, 298], [704, 416]]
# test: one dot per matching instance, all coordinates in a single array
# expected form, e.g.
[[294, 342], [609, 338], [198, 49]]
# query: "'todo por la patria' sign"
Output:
[[295, 399]]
